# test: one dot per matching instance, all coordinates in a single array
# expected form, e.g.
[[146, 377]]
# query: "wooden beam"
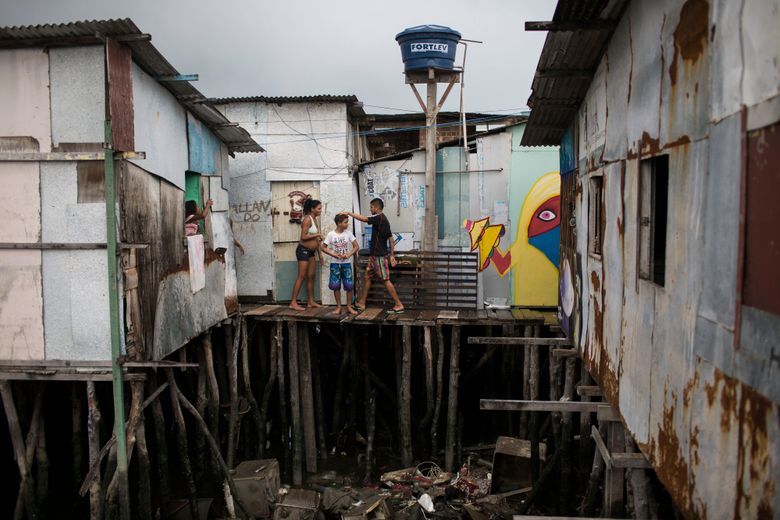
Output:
[[66, 246], [588, 391], [565, 73], [65, 156], [630, 461], [158, 364], [540, 406], [56, 375], [481, 340], [605, 455], [419, 97], [564, 352], [592, 25], [608, 414], [525, 517], [178, 77]]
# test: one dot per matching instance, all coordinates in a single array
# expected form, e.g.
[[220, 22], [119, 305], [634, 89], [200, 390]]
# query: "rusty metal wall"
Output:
[[703, 405]]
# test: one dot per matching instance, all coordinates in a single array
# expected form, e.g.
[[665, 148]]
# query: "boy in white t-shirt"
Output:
[[341, 244]]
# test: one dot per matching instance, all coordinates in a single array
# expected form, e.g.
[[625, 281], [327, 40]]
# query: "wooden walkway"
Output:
[[380, 316]]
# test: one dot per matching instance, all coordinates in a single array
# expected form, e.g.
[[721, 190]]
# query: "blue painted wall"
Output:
[[204, 148]]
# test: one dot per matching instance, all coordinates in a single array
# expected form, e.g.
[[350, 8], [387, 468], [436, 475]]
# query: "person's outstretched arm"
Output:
[[356, 216]]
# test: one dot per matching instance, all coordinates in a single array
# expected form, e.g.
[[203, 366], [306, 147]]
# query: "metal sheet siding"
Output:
[[24, 95], [204, 148], [78, 94]]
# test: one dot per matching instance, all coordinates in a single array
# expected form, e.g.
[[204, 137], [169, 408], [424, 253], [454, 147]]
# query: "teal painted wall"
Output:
[[452, 196], [286, 271], [204, 148]]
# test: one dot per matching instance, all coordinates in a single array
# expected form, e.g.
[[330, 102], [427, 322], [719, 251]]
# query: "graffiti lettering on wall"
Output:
[[251, 211], [533, 256]]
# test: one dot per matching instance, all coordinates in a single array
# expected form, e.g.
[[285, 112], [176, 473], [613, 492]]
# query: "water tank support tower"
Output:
[[428, 53]]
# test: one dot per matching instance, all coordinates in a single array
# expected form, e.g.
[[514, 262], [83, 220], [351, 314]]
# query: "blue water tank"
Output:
[[428, 46]]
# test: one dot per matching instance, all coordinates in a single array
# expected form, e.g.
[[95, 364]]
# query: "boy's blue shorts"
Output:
[[341, 274]]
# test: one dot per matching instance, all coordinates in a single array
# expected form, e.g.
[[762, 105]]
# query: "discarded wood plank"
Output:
[[307, 399], [93, 442], [517, 405], [542, 342], [295, 404], [212, 443], [452, 399], [588, 391], [405, 397], [539, 483]]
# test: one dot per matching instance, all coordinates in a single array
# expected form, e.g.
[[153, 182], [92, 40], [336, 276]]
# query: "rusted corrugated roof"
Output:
[[571, 53], [91, 32]]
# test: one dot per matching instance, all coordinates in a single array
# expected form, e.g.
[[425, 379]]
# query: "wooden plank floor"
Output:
[[379, 315]]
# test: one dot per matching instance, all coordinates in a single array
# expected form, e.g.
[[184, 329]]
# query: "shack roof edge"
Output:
[[146, 55]]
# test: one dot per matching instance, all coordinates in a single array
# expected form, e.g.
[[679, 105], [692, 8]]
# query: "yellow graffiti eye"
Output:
[[547, 215]]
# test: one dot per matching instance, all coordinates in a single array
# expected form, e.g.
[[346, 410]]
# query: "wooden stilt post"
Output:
[[338, 395], [279, 340], [213, 386], [430, 391], [307, 399], [201, 402], [181, 444], [144, 510], [405, 397], [440, 350], [554, 364], [161, 448], [232, 493], [26, 487], [370, 402], [295, 404], [452, 398], [524, 430], [586, 444], [269, 388], [77, 411], [319, 409], [254, 409], [589, 501], [614, 477], [644, 504], [566, 433], [93, 439], [533, 390], [232, 365], [42, 471]]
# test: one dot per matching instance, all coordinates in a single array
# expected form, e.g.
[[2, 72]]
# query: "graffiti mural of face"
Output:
[[544, 230]]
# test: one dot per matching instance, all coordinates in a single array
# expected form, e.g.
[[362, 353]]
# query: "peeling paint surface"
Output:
[[706, 414]]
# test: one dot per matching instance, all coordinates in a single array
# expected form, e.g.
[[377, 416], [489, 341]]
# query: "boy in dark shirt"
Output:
[[379, 259]]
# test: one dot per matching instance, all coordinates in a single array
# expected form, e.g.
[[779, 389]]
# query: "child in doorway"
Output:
[[381, 255], [341, 244]]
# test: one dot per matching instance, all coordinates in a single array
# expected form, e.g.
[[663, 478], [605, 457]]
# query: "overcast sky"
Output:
[[297, 47]]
